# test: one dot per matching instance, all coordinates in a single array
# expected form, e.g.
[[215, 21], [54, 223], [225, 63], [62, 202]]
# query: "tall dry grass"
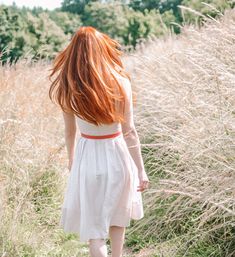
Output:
[[185, 117], [32, 165]]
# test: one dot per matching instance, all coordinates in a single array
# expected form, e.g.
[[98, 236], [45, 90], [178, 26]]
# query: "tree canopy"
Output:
[[42, 33]]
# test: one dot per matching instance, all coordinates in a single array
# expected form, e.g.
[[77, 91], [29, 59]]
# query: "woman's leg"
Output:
[[117, 236], [98, 248]]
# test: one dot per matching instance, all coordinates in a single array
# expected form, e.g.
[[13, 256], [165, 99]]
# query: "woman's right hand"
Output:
[[70, 165]]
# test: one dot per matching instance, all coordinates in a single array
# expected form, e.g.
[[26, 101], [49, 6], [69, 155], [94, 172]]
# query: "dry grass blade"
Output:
[[186, 119]]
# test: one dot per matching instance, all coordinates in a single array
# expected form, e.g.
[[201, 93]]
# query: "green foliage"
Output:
[[125, 24], [75, 6], [206, 8], [36, 33], [47, 36], [162, 6], [141, 25], [108, 18], [42, 33], [68, 22], [12, 33]]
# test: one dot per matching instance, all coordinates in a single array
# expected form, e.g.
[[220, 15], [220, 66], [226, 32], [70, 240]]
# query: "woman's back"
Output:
[[107, 172], [89, 128], [102, 188]]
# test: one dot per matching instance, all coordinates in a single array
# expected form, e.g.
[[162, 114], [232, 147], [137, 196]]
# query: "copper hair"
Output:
[[84, 83]]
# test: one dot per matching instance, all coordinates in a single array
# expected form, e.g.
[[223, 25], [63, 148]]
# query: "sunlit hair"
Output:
[[84, 83]]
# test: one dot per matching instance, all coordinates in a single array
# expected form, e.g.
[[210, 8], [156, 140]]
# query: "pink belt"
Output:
[[101, 137]]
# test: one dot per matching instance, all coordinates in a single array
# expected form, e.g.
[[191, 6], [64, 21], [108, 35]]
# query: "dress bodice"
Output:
[[91, 129], [127, 127]]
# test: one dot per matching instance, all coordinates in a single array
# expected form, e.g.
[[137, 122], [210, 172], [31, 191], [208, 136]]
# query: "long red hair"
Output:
[[84, 84]]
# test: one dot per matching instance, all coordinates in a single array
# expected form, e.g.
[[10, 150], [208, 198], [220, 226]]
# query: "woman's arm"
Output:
[[70, 131], [132, 139]]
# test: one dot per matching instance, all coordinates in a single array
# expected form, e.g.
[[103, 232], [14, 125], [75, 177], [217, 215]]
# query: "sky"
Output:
[[49, 4]]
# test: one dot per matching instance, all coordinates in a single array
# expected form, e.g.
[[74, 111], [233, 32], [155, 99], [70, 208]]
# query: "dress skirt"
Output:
[[101, 189]]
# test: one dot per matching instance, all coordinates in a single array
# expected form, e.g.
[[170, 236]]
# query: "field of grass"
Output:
[[186, 96], [185, 116]]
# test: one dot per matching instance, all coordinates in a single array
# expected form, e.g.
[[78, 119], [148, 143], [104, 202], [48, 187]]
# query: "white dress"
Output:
[[102, 184]]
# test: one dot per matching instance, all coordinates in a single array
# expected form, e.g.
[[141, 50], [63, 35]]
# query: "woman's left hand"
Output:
[[144, 182]]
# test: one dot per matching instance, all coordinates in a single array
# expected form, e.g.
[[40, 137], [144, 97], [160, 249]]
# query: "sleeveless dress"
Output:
[[101, 189]]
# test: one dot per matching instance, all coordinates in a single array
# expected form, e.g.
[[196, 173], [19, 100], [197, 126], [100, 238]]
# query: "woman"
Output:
[[107, 172]]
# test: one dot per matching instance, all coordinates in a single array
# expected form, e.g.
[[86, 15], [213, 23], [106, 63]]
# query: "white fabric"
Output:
[[102, 185]]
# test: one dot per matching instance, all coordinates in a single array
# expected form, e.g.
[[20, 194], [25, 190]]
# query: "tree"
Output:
[[108, 18], [67, 21], [23, 31], [75, 6], [142, 25], [160, 5], [49, 37], [13, 40]]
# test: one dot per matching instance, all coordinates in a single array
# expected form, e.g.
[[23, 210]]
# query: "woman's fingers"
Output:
[[144, 184]]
